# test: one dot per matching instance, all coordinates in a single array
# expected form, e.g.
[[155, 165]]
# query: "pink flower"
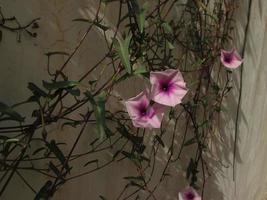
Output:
[[168, 87], [142, 113], [231, 59], [189, 194]]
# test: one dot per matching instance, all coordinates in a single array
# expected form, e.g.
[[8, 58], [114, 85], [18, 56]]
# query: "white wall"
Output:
[[24, 62]]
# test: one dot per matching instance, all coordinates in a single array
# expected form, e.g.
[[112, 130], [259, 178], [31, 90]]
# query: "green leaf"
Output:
[[36, 90], [98, 24], [54, 169], [137, 160], [60, 85], [125, 133], [74, 92], [122, 48], [140, 70], [191, 172], [6, 110], [71, 123], [10, 140], [128, 155], [103, 198], [167, 27], [58, 153], [190, 168], [136, 184], [99, 110], [101, 26], [170, 45], [90, 97], [142, 16], [43, 193]]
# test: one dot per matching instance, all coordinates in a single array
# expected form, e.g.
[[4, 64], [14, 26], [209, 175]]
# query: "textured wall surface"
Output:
[[24, 62], [251, 167]]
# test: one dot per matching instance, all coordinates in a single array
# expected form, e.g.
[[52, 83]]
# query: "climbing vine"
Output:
[[185, 37]]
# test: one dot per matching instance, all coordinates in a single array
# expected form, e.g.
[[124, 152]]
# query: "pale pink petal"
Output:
[[152, 116], [178, 94], [155, 77], [171, 74], [177, 78], [181, 197], [133, 103], [172, 98], [156, 118], [231, 59], [155, 91], [139, 123], [168, 87], [235, 64], [152, 121]]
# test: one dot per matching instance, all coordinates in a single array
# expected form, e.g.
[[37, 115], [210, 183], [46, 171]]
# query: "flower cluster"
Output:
[[167, 89]]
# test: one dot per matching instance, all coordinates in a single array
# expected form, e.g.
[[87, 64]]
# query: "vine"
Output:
[[146, 38]]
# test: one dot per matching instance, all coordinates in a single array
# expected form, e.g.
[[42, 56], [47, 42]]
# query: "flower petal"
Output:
[[140, 123], [169, 74], [152, 121], [231, 59], [154, 114], [176, 91], [171, 98], [156, 119], [132, 104]]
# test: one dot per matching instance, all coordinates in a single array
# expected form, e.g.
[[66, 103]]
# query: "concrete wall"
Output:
[[24, 62], [251, 167]]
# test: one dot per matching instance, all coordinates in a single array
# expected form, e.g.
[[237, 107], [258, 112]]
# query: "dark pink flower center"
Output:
[[143, 111], [190, 195], [165, 86], [228, 57]]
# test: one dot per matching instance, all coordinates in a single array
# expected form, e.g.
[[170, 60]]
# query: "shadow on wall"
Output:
[[224, 173], [56, 33]]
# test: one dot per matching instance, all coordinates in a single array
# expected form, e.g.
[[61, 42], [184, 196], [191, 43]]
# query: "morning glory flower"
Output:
[[189, 194], [168, 87], [142, 113], [231, 59]]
